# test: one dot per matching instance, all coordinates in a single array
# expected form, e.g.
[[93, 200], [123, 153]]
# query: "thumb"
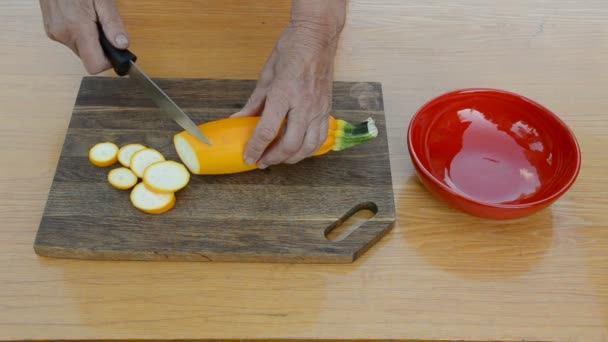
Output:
[[112, 24]]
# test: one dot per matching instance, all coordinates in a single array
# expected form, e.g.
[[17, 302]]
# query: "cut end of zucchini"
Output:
[[371, 127], [187, 154], [103, 154], [126, 152], [350, 135], [144, 158], [122, 178], [166, 176], [151, 202]]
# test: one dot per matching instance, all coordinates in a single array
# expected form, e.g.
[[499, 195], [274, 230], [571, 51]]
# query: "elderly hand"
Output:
[[296, 85], [74, 24]]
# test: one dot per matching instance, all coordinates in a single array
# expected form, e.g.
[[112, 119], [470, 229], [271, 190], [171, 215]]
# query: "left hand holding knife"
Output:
[[95, 32], [73, 23]]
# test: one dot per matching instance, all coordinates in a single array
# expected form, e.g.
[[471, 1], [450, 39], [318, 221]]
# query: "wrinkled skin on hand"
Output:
[[294, 91], [296, 83], [295, 87], [73, 23]]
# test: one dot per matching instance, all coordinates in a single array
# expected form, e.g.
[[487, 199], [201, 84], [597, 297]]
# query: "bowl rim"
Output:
[[570, 133]]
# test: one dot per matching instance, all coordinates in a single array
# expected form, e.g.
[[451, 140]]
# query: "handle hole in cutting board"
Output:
[[352, 220]]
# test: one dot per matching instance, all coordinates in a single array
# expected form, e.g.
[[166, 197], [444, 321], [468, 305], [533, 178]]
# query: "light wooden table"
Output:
[[439, 275]]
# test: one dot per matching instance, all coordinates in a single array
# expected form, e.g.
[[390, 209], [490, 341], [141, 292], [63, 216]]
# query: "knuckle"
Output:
[[323, 110], [256, 97], [267, 133], [95, 65], [254, 150], [310, 148], [114, 23], [307, 97], [279, 97], [252, 99], [93, 68], [51, 35], [290, 148], [57, 33], [266, 75]]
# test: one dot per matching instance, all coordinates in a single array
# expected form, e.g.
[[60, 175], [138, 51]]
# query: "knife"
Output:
[[123, 63]]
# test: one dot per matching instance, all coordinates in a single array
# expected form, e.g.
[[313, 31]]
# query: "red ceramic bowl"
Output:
[[492, 153]]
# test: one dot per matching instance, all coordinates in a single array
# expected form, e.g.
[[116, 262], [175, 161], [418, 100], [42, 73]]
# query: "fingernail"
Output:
[[121, 40], [262, 166], [249, 161]]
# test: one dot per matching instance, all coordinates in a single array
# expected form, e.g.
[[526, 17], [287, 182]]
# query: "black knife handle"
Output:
[[120, 59]]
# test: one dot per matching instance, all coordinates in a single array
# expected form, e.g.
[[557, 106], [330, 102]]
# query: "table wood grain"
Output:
[[439, 274]]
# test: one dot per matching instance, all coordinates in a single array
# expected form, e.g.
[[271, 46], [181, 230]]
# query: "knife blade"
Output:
[[123, 63]]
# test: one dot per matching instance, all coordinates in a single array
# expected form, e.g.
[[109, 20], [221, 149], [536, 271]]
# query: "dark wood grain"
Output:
[[195, 94], [277, 215]]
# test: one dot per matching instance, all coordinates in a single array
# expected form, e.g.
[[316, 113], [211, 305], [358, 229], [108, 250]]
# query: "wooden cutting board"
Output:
[[282, 214]]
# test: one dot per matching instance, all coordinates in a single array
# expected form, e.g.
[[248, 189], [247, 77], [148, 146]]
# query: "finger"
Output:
[[254, 104], [112, 24], [288, 145], [309, 145], [275, 110], [89, 50]]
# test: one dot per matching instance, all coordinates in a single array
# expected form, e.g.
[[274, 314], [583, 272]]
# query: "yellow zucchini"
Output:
[[229, 138]]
